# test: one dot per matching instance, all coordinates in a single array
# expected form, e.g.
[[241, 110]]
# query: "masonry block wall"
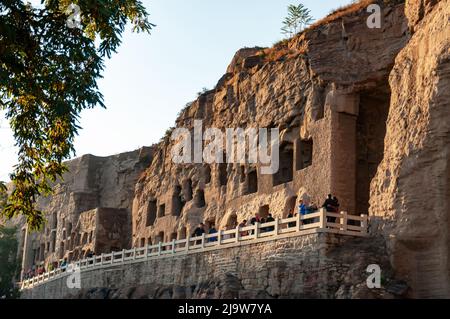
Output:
[[311, 266]]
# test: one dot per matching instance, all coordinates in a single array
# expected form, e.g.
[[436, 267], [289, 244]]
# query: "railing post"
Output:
[[173, 246], [101, 259], [299, 222], [188, 241], [277, 223], [134, 253], [323, 218], [238, 231], [364, 223], [344, 221], [146, 251], [123, 255], [219, 237], [203, 240], [159, 248], [257, 230]]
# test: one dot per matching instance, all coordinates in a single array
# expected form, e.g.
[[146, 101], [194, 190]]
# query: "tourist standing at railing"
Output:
[[242, 225], [199, 231], [63, 264], [227, 236], [256, 219], [211, 231], [262, 221], [269, 220], [303, 211], [41, 270], [29, 274], [336, 204], [331, 205], [312, 208]]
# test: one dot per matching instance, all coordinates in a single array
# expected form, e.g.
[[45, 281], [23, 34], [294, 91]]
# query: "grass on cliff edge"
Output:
[[281, 49]]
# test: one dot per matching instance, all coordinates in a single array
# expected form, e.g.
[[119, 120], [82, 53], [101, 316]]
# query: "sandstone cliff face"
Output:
[[410, 196], [332, 85], [72, 226], [362, 113], [318, 89]]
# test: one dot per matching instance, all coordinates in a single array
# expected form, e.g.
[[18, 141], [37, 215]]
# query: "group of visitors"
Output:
[[200, 230], [331, 204], [303, 209], [257, 219], [41, 269]]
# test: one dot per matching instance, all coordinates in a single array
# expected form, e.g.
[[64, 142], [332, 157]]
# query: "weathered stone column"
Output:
[[343, 108]]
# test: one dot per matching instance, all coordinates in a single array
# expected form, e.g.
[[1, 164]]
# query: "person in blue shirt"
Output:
[[303, 210], [212, 230]]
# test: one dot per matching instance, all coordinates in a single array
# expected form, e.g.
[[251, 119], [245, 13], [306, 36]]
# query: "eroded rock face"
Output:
[[89, 211], [362, 113], [410, 196], [326, 91]]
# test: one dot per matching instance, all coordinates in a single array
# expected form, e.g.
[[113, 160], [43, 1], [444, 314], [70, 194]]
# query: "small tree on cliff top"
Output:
[[298, 18], [50, 59]]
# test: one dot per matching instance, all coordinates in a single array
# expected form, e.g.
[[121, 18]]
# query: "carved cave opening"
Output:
[[187, 190], [162, 210], [304, 154], [370, 134], [151, 213], [177, 201], [252, 182], [207, 174], [199, 198], [285, 172]]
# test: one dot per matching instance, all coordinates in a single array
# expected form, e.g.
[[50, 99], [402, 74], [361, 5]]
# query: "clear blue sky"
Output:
[[153, 76]]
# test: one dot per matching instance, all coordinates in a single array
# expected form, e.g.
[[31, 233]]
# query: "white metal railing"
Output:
[[320, 221]]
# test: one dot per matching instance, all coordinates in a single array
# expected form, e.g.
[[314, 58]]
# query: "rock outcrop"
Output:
[[362, 113], [410, 195], [93, 187]]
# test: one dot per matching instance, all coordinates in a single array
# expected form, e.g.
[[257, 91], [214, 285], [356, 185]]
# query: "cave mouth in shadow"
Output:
[[370, 135]]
